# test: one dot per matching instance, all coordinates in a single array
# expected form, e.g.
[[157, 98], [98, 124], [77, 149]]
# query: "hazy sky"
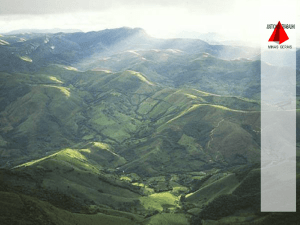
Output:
[[237, 19]]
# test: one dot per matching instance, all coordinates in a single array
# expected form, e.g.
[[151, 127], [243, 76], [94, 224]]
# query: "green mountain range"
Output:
[[117, 127]]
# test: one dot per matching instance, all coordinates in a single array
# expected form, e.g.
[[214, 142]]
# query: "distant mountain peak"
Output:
[[42, 31]]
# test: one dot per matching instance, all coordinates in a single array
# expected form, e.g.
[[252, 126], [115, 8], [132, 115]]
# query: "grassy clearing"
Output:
[[125, 178], [64, 90], [141, 77], [35, 161], [71, 157], [226, 108], [26, 58], [101, 145], [55, 79], [70, 68], [158, 201], [191, 96]]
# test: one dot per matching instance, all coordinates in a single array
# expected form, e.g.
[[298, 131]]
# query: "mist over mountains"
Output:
[[40, 31], [118, 127]]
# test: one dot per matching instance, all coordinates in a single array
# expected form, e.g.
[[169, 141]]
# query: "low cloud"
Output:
[[67, 6]]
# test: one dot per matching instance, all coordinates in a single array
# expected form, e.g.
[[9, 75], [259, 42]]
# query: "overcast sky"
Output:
[[236, 19]]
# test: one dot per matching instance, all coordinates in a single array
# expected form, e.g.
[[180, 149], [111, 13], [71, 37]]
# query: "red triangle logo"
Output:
[[279, 34]]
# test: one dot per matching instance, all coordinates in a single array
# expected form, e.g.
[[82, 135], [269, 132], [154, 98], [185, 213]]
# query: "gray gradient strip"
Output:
[[278, 130]]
